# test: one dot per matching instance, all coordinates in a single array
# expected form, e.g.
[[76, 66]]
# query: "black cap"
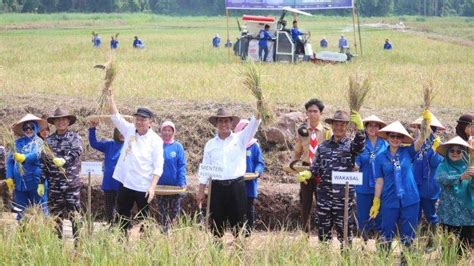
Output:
[[144, 112]]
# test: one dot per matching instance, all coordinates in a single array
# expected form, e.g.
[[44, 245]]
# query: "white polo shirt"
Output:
[[230, 153], [141, 156]]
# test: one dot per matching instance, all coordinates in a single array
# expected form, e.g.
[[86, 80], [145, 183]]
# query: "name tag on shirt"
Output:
[[211, 171], [340, 178]]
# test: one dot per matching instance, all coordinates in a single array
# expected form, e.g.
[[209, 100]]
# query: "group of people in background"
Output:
[[114, 43]]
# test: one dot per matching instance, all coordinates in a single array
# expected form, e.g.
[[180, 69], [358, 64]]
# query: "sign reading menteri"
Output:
[[340, 178], [211, 171]]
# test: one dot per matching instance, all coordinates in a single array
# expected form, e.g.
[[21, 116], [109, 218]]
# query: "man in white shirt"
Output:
[[140, 164], [227, 150]]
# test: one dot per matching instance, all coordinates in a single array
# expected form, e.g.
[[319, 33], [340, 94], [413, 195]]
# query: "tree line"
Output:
[[217, 7]]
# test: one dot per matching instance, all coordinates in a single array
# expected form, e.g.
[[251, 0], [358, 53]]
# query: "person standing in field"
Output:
[[174, 174], [336, 154], [295, 35], [216, 41], [61, 170], [309, 136], [113, 43], [264, 37], [96, 41], [23, 165], [424, 168], [323, 43], [396, 184], [255, 165], [365, 162], [387, 45], [455, 176], [140, 164], [343, 44], [111, 150], [227, 150], [137, 43]]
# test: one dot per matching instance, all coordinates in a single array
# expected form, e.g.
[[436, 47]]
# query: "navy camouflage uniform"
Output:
[[3, 156], [335, 156], [64, 186]]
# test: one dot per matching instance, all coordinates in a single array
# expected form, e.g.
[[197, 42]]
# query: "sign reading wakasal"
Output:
[[340, 178]]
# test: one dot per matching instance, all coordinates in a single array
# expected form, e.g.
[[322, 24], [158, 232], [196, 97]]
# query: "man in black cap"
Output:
[[140, 164]]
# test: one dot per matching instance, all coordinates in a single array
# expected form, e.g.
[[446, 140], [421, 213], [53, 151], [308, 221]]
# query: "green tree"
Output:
[[30, 6]]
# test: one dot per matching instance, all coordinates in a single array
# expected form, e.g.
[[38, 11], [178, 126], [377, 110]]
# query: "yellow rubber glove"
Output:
[[18, 157], [357, 120], [436, 143], [427, 116], [40, 190], [303, 176], [327, 134], [10, 184], [59, 162], [374, 210]]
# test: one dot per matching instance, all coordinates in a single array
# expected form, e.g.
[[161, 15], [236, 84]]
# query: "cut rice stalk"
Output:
[[359, 88], [49, 153], [429, 93], [110, 74], [9, 144]]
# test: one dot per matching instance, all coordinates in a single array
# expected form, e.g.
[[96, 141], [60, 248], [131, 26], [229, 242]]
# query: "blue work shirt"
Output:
[[366, 163], [323, 43], [111, 150], [384, 169], [343, 43], [96, 42], [114, 44], [264, 36], [387, 46], [174, 167], [255, 164], [137, 43], [424, 170], [295, 33], [216, 41]]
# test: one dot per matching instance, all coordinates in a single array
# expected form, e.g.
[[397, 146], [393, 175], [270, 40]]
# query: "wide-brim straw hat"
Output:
[[434, 122], [18, 126], [395, 127], [443, 148], [376, 119], [59, 113], [339, 115], [222, 113]]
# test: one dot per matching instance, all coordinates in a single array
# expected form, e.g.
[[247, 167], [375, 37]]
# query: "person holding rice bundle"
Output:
[[60, 166], [174, 174], [111, 150], [396, 185], [365, 162], [23, 164], [455, 176], [336, 154], [424, 168], [255, 165], [309, 136]]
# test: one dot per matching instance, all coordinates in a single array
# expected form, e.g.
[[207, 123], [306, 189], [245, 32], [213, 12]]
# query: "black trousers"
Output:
[[250, 215], [464, 233], [228, 204], [125, 200], [110, 203]]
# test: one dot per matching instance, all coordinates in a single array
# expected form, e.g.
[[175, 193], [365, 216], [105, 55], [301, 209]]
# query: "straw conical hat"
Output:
[[395, 127], [434, 122], [374, 118], [443, 148], [18, 126]]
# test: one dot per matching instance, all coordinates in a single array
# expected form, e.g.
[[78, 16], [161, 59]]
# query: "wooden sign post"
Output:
[[346, 179], [210, 172], [89, 169]]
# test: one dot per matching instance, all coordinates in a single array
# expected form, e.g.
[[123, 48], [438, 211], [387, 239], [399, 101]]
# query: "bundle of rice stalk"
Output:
[[252, 81], [110, 74], [9, 144], [359, 88], [429, 93], [49, 153]]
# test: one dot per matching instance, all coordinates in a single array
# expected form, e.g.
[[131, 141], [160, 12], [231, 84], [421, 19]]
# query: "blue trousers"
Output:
[[365, 224], [263, 53], [427, 206], [25, 199], [405, 218]]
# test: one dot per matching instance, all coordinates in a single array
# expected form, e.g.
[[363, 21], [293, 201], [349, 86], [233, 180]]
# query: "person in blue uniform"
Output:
[[324, 43], [424, 168], [114, 43], [255, 165], [374, 146], [216, 41], [264, 37], [111, 150], [23, 164], [137, 43], [396, 184], [96, 41], [343, 44], [387, 45], [295, 35], [174, 174]]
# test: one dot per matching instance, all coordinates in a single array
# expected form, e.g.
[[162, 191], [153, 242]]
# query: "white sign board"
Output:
[[340, 178], [211, 171], [94, 168]]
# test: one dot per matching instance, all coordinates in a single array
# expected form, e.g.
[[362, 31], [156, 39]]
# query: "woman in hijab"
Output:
[[23, 165], [465, 128], [455, 177], [174, 174]]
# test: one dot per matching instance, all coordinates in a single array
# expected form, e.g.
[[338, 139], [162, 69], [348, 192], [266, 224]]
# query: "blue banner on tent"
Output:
[[298, 4]]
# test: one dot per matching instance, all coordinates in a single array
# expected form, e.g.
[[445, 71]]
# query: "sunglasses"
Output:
[[456, 151], [26, 128], [395, 136]]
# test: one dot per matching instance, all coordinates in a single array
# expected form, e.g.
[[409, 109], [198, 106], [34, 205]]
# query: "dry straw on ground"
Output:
[[359, 88], [252, 80]]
